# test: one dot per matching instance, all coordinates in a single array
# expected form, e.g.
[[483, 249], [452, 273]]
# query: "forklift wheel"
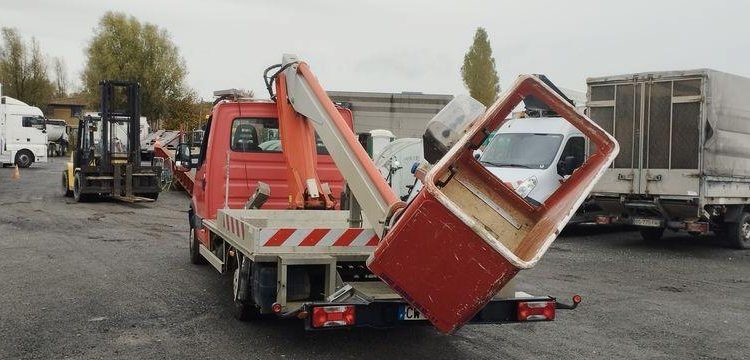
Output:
[[77, 189], [64, 188]]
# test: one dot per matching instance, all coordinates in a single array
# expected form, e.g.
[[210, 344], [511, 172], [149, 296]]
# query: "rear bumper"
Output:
[[389, 314]]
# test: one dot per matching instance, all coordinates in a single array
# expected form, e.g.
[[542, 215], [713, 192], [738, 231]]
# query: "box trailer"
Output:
[[684, 161]]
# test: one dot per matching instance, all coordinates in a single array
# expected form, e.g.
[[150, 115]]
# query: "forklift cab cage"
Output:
[[114, 137]]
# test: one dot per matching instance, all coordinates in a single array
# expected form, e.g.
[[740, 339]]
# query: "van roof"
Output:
[[553, 125]]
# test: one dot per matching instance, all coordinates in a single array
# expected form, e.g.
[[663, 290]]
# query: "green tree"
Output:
[[23, 70], [123, 48], [478, 70]]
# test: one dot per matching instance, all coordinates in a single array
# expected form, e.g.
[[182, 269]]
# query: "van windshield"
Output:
[[532, 151]]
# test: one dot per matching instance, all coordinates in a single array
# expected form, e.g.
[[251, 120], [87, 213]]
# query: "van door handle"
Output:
[[623, 177], [203, 182], [653, 177]]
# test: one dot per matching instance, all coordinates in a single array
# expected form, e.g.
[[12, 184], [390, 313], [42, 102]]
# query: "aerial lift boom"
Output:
[[306, 99]]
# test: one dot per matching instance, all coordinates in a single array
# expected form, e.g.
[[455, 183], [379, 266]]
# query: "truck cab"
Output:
[[240, 148], [534, 155], [23, 137]]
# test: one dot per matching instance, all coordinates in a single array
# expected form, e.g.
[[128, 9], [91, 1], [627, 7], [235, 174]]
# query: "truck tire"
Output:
[[243, 310], [195, 255], [738, 233], [64, 186], [652, 234], [24, 158]]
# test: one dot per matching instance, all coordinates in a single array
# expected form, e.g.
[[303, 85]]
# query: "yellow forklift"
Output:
[[106, 160]]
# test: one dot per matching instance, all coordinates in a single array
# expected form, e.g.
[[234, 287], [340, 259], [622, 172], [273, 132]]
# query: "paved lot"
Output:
[[112, 280]]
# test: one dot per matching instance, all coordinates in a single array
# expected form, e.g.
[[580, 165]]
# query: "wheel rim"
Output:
[[23, 159], [745, 231]]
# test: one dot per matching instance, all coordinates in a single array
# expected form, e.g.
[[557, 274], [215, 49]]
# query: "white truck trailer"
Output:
[[23, 138], [57, 137], [684, 161]]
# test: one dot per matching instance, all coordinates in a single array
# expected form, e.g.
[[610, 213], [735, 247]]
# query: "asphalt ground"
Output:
[[113, 280]]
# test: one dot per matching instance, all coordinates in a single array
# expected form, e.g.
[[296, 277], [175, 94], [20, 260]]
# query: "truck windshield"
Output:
[[532, 151]]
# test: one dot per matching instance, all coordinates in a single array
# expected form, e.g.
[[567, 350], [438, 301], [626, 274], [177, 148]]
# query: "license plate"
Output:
[[646, 222], [407, 312]]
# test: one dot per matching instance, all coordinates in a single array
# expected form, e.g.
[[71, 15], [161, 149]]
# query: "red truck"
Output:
[[293, 252]]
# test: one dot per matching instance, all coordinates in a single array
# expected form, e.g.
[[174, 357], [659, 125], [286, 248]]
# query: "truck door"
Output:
[[617, 109], [672, 137], [657, 124]]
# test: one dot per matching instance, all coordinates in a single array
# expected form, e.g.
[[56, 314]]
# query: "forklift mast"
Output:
[[120, 103]]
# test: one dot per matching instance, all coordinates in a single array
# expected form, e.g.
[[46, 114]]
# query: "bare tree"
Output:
[[61, 78]]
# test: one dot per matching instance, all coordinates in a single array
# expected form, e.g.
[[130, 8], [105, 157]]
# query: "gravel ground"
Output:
[[113, 280]]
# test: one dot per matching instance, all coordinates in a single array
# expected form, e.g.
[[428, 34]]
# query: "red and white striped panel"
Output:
[[318, 237], [234, 226]]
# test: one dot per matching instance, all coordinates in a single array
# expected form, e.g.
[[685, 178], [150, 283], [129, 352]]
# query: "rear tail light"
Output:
[[536, 310], [603, 220], [329, 316], [697, 227]]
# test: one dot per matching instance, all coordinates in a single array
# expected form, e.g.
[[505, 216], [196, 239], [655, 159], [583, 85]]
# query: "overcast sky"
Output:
[[409, 45]]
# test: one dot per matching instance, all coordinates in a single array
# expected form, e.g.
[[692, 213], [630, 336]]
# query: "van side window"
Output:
[[576, 147]]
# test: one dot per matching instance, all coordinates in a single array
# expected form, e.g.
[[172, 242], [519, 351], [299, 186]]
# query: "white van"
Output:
[[533, 155], [23, 138]]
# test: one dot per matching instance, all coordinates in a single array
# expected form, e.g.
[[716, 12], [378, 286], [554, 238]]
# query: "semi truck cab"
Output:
[[23, 138]]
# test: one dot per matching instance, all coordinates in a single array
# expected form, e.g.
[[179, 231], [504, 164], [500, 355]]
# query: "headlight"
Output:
[[525, 187]]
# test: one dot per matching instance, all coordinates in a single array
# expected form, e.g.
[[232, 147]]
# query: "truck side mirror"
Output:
[[567, 165], [182, 157]]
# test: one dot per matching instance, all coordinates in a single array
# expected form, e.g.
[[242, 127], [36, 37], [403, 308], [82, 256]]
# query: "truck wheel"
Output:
[[24, 158], [652, 234], [738, 234], [195, 255], [243, 310], [64, 186]]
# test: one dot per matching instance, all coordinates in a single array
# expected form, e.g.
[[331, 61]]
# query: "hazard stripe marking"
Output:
[[314, 237], [373, 241], [347, 237], [279, 237]]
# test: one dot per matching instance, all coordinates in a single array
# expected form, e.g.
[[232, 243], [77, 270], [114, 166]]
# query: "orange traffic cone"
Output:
[[16, 173]]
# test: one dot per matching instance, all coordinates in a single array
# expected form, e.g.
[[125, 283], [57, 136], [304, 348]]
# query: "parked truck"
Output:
[[23, 138], [57, 137], [684, 161], [269, 215]]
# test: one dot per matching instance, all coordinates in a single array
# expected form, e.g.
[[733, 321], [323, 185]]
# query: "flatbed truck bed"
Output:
[[323, 239]]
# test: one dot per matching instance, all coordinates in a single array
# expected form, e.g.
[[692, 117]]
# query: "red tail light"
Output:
[[536, 310], [697, 227], [602, 220], [328, 316]]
